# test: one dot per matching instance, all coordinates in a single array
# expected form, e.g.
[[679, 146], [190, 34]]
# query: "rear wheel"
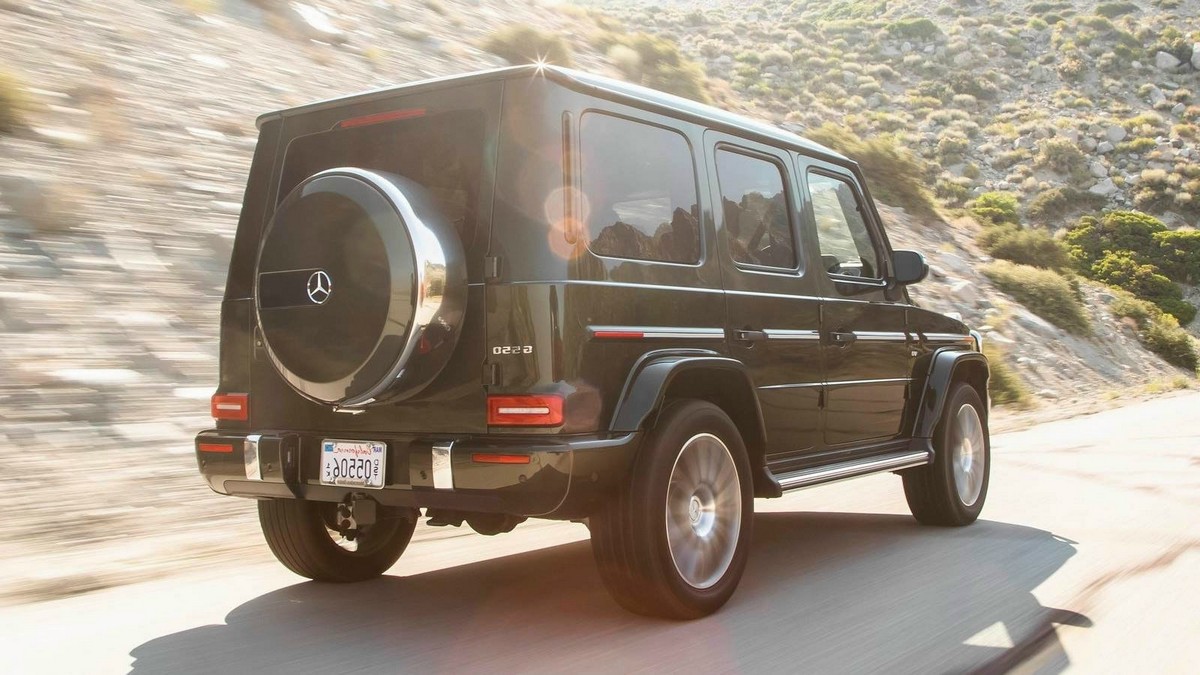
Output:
[[952, 489], [674, 541], [303, 536]]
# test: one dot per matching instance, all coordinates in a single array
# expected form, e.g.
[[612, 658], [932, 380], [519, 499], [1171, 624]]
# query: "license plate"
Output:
[[353, 463]]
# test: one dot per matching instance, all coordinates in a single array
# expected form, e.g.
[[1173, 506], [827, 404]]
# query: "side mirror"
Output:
[[909, 267]]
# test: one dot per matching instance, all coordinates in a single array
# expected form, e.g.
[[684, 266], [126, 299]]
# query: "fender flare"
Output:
[[652, 377], [936, 388]]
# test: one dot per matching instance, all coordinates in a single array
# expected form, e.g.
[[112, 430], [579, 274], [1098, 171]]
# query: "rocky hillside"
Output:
[[126, 129]]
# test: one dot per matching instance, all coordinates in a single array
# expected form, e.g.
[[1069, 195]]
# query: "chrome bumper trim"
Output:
[[250, 455], [443, 471]]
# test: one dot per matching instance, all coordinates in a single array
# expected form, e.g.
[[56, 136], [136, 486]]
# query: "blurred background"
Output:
[[1044, 155]]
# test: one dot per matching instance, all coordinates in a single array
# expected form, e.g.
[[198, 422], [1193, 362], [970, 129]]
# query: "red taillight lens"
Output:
[[380, 118], [525, 411], [231, 407], [216, 447], [491, 458]]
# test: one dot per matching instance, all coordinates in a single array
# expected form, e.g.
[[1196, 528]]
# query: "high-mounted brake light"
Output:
[[234, 407], [380, 118], [525, 411]]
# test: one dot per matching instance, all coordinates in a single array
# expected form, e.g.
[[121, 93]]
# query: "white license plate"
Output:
[[354, 463]]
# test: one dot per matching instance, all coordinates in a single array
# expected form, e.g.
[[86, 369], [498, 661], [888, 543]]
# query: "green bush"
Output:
[[520, 44], [1024, 246], [1044, 292], [1057, 203], [14, 104], [663, 67], [1115, 9], [1159, 332], [1004, 385], [1115, 231], [914, 29], [1171, 342], [894, 175], [1061, 155], [996, 208], [1179, 255], [1123, 270]]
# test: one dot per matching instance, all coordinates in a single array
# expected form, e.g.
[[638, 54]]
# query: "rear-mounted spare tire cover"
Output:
[[360, 288]]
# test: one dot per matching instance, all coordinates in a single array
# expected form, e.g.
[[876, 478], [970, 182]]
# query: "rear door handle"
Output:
[[843, 338], [749, 335]]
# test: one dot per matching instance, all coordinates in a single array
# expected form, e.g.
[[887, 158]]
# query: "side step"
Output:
[[853, 468]]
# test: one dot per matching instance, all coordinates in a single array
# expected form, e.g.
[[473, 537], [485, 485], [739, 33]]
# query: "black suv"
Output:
[[533, 292]]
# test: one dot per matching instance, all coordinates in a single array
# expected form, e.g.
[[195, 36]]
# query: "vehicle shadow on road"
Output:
[[824, 592]]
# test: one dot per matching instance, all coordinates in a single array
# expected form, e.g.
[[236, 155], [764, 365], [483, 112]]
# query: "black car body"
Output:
[[576, 254]]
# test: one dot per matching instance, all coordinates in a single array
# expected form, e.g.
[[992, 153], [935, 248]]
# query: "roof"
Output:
[[597, 85]]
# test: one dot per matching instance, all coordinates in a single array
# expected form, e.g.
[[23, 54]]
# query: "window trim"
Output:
[[584, 231], [789, 197], [873, 282]]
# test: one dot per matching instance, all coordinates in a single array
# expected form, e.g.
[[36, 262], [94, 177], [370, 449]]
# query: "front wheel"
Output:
[[673, 542], [303, 536], [952, 489]]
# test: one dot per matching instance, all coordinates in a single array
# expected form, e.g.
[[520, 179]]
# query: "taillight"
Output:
[[234, 407], [216, 447], [525, 411]]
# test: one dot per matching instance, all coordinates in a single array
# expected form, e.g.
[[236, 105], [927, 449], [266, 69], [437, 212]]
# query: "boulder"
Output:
[[1115, 133], [1104, 147], [1104, 187], [1178, 109], [1165, 61], [1088, 144], [1196, 56], [1098, 169]]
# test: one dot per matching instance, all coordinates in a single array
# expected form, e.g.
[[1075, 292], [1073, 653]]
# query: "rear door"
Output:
[[866, 351], [772, 308]]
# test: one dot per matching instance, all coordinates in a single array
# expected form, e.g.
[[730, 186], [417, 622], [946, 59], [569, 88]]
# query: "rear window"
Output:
[[443, 152], [640, 185]]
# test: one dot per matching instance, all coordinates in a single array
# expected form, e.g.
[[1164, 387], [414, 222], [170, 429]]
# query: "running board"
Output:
[[852, 469]]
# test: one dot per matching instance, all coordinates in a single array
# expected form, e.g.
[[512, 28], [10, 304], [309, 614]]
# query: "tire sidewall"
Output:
[[677, 424], [962, 394]]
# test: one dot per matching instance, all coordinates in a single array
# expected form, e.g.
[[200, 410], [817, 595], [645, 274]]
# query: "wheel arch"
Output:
[[659, 378], [946, 367]]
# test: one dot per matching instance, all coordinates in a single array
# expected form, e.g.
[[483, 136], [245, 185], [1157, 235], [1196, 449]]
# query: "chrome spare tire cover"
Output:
[[360, 288]]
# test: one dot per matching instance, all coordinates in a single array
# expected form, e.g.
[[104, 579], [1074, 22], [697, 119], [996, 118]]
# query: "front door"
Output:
[[771, 303], [865, 343]]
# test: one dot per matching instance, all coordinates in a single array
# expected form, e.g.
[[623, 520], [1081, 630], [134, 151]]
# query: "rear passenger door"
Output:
[[772, 308], [865, 343]]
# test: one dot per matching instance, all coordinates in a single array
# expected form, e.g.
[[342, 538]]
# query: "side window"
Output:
[[755, 205], [639, 183], [846, 247]]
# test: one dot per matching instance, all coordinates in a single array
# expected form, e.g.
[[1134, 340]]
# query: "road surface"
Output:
[[1087, 557]]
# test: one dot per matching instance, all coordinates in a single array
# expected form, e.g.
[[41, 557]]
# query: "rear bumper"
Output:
[[564, 478]]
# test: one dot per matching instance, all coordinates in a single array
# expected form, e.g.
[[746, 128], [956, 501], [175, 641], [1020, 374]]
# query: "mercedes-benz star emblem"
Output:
[[320, 286]]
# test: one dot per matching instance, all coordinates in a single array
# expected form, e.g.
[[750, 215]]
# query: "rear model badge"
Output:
[[319, 287]]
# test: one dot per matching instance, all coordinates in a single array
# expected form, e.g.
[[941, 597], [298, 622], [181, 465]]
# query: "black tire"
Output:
[[298, 534], [933, 491], [630, 540]]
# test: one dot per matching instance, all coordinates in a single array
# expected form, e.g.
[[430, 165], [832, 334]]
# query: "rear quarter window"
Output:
[[639, 184]]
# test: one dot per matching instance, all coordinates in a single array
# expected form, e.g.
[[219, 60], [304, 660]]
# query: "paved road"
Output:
[[1087, 557]]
